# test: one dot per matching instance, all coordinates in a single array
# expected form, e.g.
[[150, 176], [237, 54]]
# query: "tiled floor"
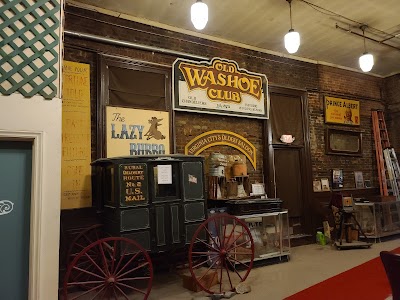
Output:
[[308, 265]]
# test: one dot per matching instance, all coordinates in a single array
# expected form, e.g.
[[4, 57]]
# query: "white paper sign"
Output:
[[164, 175], [258, 189]]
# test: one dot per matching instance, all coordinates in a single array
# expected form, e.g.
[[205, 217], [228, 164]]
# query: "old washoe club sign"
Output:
[[222, 137], [219, 87]]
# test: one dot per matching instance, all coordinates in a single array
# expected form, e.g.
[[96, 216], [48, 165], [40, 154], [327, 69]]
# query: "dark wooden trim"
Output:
[[268, 160], [304, 151], [357, 97], [329, 150], [285, 146], [286, 91], [307, 172], [103, 93]]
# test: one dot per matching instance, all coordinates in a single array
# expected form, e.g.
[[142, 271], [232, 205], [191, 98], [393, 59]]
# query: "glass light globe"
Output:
[[366, 62], [199, 15], [292, 41]]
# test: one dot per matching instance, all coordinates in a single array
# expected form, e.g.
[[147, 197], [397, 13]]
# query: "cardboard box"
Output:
[[208, 280], [243, 253]]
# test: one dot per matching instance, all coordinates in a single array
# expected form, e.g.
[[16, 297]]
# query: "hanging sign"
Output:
[[221, 137], [342, 111], [136, 132], [76, 190], [219, 87]]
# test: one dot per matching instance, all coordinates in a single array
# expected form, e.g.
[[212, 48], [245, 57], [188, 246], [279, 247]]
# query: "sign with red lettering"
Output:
[[219, 87], [342, 111]]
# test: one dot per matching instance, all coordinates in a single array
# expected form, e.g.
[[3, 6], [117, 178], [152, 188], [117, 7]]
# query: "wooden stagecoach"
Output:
[[150, 205]]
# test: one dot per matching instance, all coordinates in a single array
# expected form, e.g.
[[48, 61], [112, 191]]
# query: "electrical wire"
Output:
[[334, 14]]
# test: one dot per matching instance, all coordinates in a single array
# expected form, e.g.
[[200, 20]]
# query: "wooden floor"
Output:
[[307, 266]]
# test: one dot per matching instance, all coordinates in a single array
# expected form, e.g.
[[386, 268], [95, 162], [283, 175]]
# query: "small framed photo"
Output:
[[359, 180], [317, 186], [367, 183], [337, 178], [325, 184]]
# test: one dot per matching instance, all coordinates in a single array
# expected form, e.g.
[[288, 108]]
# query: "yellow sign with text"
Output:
[[76, 136], [136, 132], [222, 137], [342, 111]]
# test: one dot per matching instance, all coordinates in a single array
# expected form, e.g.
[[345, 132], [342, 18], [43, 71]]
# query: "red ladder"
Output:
[[381, 139]]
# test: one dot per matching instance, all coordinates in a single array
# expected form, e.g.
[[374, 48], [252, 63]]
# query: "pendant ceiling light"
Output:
[[292, 38], [199, 14], [366, 60]]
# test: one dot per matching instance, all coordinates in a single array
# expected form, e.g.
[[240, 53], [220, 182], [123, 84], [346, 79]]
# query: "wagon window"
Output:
[[165, 186]]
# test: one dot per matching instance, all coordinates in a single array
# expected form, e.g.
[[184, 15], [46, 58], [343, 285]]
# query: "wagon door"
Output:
[[193, 197], [166, 200]]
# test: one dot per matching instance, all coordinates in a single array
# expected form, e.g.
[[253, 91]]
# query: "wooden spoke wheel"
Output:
[[122, 270], [221, 254], [80, 242], [83, 239]]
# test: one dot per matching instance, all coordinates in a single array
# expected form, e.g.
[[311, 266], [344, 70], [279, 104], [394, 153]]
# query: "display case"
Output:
[[270, 232], [378, 219]]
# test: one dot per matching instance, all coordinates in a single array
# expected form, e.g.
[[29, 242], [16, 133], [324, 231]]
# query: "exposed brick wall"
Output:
[[317, 80], [392, 91], [190, 125], [279, 70], [392, 97], [323, 163], [344, 82]]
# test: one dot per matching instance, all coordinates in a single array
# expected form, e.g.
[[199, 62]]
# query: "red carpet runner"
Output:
[[364, 282]]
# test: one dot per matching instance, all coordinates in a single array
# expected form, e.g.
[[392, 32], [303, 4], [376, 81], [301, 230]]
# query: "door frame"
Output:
[[36, 245], [305, 151]]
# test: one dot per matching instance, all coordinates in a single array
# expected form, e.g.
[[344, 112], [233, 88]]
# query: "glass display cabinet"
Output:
[[378, 219], [270, 232]]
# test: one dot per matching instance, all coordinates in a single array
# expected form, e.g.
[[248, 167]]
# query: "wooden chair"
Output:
[[391, 262]]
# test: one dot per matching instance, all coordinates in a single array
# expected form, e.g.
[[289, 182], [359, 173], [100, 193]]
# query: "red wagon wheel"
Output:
[[221, 254], [123, 271], [83, 239], [80, 242]]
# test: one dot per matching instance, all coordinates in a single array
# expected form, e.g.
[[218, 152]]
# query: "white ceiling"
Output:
[[263, 23]]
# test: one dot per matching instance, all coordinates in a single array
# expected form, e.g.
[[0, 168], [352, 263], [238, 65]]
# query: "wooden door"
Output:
[[289, 167], [289, 187], [15, 211]]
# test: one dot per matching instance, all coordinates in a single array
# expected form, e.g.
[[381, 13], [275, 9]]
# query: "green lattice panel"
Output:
[[28, 47]]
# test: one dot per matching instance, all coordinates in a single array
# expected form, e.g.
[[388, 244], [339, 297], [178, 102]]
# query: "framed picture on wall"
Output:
[[317, 186], [337, 178], [343, 142], [342, 111], [359, 180], [325, 184], [367, 183]]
